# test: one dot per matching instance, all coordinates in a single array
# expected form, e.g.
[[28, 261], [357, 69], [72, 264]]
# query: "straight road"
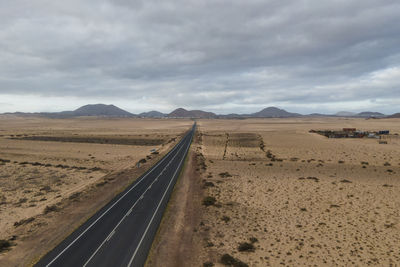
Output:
[[121, 233]]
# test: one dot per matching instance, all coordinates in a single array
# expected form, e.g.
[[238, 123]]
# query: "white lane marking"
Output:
[[129, 212], [91, 225], [110, 235], [159, 204], [126, 215]]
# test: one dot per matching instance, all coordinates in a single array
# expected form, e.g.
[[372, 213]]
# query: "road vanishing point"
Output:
[[121, 233]]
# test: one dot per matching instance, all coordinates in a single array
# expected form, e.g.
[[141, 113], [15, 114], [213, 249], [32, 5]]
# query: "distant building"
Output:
[[349, 129]]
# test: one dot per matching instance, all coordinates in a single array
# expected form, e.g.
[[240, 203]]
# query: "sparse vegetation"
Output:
[[246, 247], [74, 195], [24, 221], [209, 184], [225, 174], [225, 218], [4, 245], [228, 260], [253, 240], [52, 208], [209, 201]]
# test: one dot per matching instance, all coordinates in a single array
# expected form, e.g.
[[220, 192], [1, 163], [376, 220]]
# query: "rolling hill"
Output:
[[183, 113], [273, 112], [152, 114]]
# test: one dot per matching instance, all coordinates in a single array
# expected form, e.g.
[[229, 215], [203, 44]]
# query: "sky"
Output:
[[225, 56]]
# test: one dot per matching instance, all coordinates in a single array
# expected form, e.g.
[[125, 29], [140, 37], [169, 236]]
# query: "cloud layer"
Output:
[[224, 56]]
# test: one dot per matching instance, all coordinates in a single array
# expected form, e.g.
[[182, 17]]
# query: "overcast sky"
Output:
[[217, 55]]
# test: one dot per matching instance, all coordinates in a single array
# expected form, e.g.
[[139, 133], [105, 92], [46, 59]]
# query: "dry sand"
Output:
[[298, 198], [35, 175]]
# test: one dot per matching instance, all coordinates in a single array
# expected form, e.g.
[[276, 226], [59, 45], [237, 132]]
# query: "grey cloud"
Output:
[[199, 54]]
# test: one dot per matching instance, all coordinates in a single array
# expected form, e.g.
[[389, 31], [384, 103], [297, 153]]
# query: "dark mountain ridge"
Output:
[[152, 114], [102, 110], [183, 113]]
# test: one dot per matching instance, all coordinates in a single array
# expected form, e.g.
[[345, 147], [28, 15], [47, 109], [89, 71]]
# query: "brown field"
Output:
[[265, 192], [284, 196], [49, 166]]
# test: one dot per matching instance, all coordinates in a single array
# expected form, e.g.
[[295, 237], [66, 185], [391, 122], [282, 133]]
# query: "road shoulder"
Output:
[[176, 242]]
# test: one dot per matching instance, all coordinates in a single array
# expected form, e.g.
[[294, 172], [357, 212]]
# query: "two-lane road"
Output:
[[121, 233]]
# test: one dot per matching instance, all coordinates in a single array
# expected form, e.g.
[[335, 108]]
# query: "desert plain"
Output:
[[254, 192], [275, 194], [55, 173]]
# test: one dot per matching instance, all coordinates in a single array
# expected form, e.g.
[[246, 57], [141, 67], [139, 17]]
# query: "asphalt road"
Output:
[[121, 233]]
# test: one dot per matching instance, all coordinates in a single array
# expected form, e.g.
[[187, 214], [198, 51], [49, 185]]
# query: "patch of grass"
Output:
[[389, 225], [4, 245], [24, 221], [253, 240], [228, 260], [38, 194], [225, 174], [209, 184], [315, 179], [101, 183], [246, 247], [75, 195], [52, 208], [209, 201], [46, 188], [22, 200], [225, 218]]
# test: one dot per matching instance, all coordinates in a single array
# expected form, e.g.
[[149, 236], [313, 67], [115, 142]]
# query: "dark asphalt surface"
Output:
[[121, 233]]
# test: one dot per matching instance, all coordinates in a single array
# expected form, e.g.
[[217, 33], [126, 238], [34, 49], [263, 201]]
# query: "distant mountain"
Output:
[[103, 110], [370, 114], [273, 112], [152, 114], [183, 113], [319, 115], [396, 115], [345, 114], [231, 116], [100, 110]]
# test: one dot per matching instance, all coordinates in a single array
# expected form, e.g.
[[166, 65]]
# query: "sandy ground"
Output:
[[284, 196], [177, 243], [39, 176]]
